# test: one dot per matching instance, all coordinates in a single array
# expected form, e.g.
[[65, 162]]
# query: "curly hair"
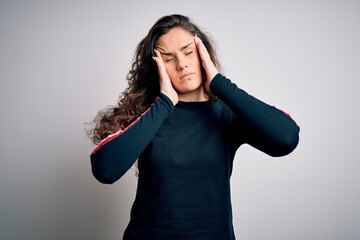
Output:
[[143, 79]]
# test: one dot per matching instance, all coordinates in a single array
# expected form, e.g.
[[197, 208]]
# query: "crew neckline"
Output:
[[199, 104]]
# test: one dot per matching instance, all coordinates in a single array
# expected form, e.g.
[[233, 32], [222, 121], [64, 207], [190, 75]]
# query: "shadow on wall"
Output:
[[87, 209], [60, 199]]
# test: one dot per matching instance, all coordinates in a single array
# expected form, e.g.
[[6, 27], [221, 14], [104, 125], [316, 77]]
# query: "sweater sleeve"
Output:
[[264, 127], [111, 159]]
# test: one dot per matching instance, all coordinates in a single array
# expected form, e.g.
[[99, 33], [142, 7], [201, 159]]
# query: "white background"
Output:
[[62, 61]]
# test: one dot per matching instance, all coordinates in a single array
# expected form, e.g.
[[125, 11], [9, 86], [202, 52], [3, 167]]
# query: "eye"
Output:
[[188, 53], [169, 59]]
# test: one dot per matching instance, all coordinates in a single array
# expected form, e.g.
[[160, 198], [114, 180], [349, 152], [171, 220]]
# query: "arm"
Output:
[[118, 152], [262, 126]]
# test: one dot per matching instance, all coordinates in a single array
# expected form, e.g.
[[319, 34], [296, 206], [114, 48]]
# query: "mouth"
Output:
[[186, 75]]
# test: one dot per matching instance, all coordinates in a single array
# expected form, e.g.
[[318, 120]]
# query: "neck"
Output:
[[199, 96]]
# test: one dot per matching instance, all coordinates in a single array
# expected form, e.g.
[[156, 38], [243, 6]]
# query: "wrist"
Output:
[[212, 75], [172, 97], [210, 78]]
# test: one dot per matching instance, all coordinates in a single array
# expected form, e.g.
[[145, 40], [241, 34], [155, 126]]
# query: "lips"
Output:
[[186, 75]]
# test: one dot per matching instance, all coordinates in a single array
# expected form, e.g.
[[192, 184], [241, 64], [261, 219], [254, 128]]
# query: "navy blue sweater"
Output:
[[185, 156]]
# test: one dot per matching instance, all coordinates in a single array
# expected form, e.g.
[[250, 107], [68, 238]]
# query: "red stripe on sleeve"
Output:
[[287, 114], [120, 132]]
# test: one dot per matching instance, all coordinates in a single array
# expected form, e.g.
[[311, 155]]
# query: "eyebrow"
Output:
[[181, 49]]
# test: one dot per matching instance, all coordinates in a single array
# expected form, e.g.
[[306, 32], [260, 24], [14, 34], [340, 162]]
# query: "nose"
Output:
[[181, 64]]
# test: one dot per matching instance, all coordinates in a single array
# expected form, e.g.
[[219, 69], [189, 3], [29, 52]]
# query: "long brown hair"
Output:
[[143, 79]]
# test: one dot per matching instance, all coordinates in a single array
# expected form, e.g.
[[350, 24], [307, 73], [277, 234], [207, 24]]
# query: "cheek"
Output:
[[171, 71], [196, 61]]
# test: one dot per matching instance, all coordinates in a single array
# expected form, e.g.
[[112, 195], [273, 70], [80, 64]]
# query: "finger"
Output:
[[161, 60], [197, 43], [160, 64], [156, 56], [205, 58], [158, 59], [203, 53]]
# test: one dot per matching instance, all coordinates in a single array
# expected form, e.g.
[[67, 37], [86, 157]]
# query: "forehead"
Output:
[[175, 39]]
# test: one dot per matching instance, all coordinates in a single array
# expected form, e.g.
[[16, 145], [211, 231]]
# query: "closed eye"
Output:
[[188, 53], [169, 60]]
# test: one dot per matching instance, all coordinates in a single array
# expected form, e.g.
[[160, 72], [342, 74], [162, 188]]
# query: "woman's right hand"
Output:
[[166, 86]]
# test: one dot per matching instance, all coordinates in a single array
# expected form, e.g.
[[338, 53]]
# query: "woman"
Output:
[[183, 121]]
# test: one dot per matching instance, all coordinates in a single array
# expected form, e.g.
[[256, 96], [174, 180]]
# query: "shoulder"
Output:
[[220, 110]]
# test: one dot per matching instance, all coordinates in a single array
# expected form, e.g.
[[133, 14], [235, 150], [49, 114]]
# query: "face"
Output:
[[181, 59]]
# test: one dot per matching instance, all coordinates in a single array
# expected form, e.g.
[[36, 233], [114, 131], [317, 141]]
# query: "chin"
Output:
[[188, 85], [189, 89]]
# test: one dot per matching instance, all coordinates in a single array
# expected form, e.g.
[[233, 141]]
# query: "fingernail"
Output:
[[197, 37], [155, 51]]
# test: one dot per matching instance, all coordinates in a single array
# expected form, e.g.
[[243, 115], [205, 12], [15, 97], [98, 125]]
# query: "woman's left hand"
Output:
[[207, 63]]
